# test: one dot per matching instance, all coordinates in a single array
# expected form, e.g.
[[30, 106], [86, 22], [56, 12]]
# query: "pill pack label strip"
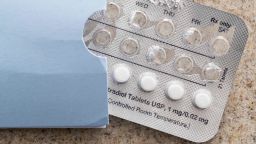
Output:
[[171, 66]]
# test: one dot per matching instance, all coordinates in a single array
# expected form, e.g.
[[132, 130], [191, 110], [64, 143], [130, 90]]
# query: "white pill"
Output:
[[148, 81], [113, 11], [202, 98], [138, 20], [102, 38], [193, 36], [175, 90], [165, 28], [121, 73], [220, 46]]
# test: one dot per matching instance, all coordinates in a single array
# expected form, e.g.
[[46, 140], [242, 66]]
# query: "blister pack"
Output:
[[171, 63]]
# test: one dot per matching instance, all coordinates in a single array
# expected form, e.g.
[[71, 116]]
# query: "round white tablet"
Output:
[[121, 73], [175, 90], [148, 81], [202, 98]]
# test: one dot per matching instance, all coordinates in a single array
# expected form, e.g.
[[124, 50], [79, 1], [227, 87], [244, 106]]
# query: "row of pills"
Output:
[[175, 90], [158, 55], [165, 28]]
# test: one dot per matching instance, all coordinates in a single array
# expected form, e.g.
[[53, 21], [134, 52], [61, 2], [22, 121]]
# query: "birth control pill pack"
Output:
[[171, 64]]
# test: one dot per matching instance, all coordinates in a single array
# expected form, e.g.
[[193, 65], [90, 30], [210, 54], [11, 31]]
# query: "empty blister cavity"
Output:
[[211, 72], [156, 55], [129, 47], [113, 11], [102, 38], [193, 37], [138, 20], [184, 64], [165, 28], [220, 46]]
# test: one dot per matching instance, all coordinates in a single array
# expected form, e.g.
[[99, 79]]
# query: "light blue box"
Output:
[[47, 77]]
